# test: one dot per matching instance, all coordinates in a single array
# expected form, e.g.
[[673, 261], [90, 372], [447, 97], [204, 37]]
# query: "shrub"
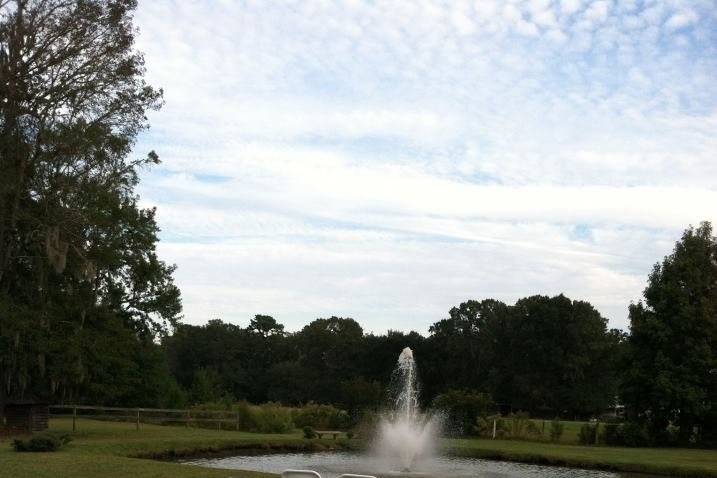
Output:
[[484, 427], [368, 424], [341, 420], [41, 442], [609, 435], [588, 434], [462, 408], [624, 434], [309, 432], [556, 430], [672, 435], [532, 429], [521, 426], [272, 418], [349, 434], [245, 415], [267, 418], [633, 434], [321, 417], [517, 424]]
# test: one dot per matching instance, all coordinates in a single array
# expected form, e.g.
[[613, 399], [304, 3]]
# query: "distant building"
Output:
[[25, 416], [617, 411]]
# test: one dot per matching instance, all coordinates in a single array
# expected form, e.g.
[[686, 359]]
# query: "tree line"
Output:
[[546, 355], [90, 313]]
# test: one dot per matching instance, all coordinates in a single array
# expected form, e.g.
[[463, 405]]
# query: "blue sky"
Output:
[[388, 160]]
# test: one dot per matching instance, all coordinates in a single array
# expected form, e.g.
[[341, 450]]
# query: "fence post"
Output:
[[138, 419], [189, 417], [494, 425], [74, 419], [237, 421]]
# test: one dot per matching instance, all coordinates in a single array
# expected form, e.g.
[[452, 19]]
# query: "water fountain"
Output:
[[404, 447], [406, 437]]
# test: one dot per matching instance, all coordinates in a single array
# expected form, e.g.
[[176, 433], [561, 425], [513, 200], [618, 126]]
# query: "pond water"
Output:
[[333, 464]]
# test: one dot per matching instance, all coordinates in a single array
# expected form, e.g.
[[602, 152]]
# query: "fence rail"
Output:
[[138, 416]]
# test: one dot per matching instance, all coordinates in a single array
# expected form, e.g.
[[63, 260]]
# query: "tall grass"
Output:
[[320, 417], [269, 417]]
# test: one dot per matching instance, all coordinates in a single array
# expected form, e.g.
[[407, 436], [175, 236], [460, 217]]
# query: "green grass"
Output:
[[571, 429], [110, 450], [113, 450], [662, 461]]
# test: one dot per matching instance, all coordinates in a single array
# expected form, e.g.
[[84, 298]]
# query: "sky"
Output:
[[388, 160]]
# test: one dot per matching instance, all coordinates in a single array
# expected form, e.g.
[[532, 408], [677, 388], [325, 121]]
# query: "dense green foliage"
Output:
[[588, 434], [268, 417], [631, 434], [82, 292], [671, 373], [462, 409], [46, 441], [556, 430], [321, 417], [545, 355]]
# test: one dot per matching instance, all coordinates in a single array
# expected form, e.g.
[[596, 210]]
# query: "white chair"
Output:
[[299, 474]]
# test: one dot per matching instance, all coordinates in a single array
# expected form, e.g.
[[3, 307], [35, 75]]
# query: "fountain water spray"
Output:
[[407, 399], [407, 437]]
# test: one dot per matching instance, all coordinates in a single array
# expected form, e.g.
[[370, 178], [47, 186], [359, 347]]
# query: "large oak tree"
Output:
[[78, 266]]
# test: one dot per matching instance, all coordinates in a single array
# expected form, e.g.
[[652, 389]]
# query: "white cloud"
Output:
[[681, 20], [388, 160], [597, 11], [568, 7], [527, 28], [393, 280], [463, 24], [545, 18], [511, 13], [556, 36]]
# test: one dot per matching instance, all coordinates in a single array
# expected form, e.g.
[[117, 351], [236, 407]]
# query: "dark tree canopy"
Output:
[[78, 266], [671, 376], [545, 355]]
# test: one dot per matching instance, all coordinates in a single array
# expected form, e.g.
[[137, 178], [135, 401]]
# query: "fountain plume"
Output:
[[406, 436]]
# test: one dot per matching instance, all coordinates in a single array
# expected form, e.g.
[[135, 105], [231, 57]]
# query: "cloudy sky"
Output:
[[386, 160]]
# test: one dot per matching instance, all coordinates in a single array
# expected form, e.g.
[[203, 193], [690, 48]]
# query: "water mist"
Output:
[[407, 437]]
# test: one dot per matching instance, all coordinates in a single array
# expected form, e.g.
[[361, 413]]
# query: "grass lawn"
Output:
[[104, 449], [668, 461], [110, 450], [571, 429]]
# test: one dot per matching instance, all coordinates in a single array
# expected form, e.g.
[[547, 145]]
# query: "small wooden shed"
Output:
[[26, 416]]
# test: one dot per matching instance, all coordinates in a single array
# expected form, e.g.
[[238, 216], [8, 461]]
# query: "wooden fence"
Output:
[[161, 416]]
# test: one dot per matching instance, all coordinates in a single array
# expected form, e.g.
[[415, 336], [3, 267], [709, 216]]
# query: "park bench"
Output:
[[333, 433]]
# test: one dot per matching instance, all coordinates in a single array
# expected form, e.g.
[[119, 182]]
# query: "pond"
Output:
[[333, 464]]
